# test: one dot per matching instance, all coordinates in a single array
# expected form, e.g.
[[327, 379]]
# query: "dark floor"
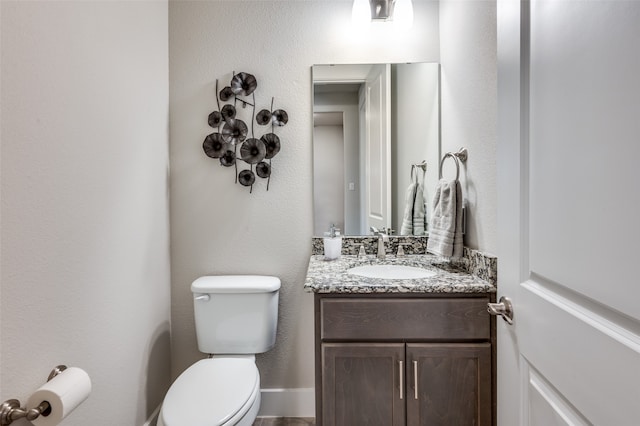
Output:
[[284, 421]]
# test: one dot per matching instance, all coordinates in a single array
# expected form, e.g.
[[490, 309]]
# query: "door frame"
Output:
[[512, 188]]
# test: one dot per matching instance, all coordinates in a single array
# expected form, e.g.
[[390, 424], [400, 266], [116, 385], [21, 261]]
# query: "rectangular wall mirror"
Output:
[[371, 124]]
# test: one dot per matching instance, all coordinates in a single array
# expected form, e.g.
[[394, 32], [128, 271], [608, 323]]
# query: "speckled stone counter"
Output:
[[332, 277]]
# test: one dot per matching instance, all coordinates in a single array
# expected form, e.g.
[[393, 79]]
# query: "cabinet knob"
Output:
[[503, 308]]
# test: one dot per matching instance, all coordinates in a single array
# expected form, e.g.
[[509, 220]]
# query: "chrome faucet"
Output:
[[382, 238]]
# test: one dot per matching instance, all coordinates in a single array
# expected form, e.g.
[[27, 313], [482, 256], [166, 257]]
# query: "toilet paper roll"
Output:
[[63, 393]]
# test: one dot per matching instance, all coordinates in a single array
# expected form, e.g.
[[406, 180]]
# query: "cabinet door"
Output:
[[453, 383], [363, 384]]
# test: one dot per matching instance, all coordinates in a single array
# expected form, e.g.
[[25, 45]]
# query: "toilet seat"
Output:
[[214, 391]]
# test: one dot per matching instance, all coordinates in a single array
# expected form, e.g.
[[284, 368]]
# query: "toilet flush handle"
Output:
[[203, 297]]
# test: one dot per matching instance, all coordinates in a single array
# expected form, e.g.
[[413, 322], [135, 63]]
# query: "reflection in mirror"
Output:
[[371, 124]]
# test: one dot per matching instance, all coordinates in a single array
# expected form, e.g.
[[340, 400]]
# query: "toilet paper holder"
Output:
[[10, 410]]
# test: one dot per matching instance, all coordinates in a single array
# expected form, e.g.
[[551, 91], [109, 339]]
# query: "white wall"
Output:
[[217, 226], [469, 108], [84, 219]]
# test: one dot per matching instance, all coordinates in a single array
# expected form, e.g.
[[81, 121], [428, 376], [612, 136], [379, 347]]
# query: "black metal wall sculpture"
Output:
[[232, 132]]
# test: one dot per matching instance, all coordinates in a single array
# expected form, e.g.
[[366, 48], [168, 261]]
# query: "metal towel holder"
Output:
[[414, 167], [461, 155]]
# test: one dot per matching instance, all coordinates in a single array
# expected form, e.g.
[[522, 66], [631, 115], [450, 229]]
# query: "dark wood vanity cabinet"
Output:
[[453, 384], [404, 360], [360, 384]]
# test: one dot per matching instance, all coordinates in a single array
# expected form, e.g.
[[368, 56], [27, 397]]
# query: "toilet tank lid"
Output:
[[236, 284]]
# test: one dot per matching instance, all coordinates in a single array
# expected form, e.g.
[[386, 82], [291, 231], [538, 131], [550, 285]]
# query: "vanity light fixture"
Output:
[[400, 12], [382, 10]]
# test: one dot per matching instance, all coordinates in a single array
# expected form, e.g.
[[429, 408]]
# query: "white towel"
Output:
[[407, 218], [445, 235], [418, 211]]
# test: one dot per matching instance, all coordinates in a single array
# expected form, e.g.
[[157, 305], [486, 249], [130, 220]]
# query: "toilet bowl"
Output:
[[216, 391], [235, 317]]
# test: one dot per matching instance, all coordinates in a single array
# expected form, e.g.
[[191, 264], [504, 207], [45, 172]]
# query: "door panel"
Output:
[[449, 378], [581, 351], [361, 384], [584, 127], [546, 406], [567, 201]]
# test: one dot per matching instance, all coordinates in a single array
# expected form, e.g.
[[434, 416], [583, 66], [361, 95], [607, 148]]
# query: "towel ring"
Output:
[[459, 156], [455, 159]]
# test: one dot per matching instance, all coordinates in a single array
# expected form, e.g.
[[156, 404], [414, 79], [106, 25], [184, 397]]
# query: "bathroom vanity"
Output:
[[402, 351]]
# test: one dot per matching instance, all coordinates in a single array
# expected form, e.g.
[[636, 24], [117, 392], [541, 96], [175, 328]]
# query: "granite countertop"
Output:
[[331, 277]]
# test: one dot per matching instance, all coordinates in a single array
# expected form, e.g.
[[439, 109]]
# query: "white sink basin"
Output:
[[390, 272]]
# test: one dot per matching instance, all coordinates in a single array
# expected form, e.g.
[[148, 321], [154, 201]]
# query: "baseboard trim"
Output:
[[297, 402], [153, 418]]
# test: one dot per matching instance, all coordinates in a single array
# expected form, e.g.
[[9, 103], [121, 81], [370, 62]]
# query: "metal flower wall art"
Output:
[[233, 140]]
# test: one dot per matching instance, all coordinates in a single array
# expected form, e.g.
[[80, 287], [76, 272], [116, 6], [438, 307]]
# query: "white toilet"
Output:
[[236, 317]]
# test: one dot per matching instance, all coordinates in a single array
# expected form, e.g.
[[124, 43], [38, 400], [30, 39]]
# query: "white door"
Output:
[[568, 212], [377, 148]]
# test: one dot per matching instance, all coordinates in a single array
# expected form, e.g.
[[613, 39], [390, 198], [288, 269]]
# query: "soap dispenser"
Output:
[[332, 243]]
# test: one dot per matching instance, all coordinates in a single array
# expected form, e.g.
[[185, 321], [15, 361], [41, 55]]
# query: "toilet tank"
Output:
[[235, 314]]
